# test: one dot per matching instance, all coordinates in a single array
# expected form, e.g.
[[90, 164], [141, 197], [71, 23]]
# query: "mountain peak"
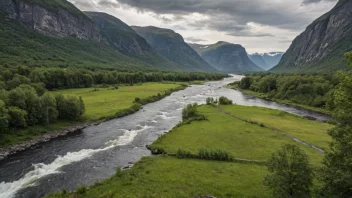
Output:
[[321, 47]]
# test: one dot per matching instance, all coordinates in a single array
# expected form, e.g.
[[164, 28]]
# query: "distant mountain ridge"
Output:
[[320, 48], [172, 46], [56, 33], [266, 60], [123, 38], [227, 57]]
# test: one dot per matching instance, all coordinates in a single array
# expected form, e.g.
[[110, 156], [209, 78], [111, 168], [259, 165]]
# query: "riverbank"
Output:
[[265, 97], [133, 98], [183, 170]]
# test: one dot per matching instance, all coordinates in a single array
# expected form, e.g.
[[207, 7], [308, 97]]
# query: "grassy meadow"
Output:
[[169, 176], [100, 104], [105, 102]]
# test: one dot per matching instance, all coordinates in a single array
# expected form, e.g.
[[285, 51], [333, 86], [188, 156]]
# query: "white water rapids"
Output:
[[8, 190]]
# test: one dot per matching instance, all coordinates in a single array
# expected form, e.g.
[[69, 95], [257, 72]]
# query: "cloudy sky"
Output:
[[258, 25]]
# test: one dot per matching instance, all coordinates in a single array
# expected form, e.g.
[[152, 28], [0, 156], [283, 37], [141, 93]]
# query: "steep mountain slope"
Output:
[[57, 18], [55, 33], [321, 46], [123, 38], [227, 57], [24, 46], [266, 60], [173, 47]]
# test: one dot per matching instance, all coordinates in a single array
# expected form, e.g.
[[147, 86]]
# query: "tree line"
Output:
[[65, 78], [24, 100], [305, 89]]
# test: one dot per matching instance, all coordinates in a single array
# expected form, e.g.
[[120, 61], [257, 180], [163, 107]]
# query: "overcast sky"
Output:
[[258, 25]]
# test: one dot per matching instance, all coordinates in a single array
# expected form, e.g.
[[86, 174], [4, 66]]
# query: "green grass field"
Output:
[[169, 177], [303, 129], [106, 102], [165, 176], [99, 105], [242, 139]]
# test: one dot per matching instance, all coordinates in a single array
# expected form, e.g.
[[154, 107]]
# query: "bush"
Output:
[[208, 154], [190, 113], [17, 117], [225, 101], [81, 189], [210, 101], [184, 154]]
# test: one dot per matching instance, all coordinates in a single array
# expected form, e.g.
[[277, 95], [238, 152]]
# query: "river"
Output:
[[95, 153]]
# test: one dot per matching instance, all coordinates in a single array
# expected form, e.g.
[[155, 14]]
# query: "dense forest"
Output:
[[24, 100], [306, 89]]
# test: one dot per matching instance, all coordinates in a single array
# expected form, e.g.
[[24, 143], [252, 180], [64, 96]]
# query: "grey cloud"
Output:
[[194, 40], [315, 1], [108, 4], [84, 5], [242, 11]]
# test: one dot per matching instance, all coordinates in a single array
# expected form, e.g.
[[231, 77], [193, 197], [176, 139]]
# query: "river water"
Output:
[[94, 154]]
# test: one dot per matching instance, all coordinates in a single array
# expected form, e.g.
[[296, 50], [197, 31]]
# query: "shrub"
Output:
[[225, 101], [220, 155], [210, 101], [81, 189], [190, 113], [184, 154]]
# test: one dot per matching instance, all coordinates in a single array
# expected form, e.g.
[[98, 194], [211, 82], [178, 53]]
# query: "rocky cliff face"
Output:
[[173, 47], [227, 57], [321, 46], [119, 35], [57, 22], [123, 38]]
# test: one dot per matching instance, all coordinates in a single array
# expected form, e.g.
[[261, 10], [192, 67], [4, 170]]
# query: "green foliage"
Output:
[[209, 154], [225, 101], [69, 107], [190, 113], [81, 189], [4, 117], [290, 173], [211, 101], [205, 154], [310, 90], [17, 117], [245, 83], [183, 154], [336, 174]]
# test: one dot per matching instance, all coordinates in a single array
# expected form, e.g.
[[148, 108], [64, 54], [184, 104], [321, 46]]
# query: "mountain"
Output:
[[172, 46], [57, 18], [266, 60], [123, 38], [227, 57], [320, 48], [56, 33], [258, 59]]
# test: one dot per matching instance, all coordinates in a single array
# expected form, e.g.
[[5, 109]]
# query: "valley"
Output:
[[193, 98], [119, 142], [174, 175]]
